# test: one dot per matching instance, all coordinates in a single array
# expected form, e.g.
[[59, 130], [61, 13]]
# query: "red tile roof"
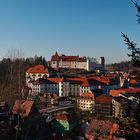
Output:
[[116, 93], [56, 57], [69, 58], [85, 83], [79, 80], [130, 90], [49, 80], [105, 80], [75, 80], [38, 69], [96, 80], [23, 107], [99, 80], [133, 81], [103, 99], [90, 95], [55, 80]]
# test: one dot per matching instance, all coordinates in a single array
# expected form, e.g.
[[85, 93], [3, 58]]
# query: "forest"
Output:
[[12, 76]]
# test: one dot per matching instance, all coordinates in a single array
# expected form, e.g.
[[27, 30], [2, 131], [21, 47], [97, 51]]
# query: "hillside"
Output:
[[12, 76], [122, 66]]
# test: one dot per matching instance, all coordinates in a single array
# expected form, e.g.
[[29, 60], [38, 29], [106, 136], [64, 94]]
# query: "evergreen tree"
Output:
[[134, 50]]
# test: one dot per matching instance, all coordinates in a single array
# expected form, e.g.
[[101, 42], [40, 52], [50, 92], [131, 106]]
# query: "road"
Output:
[[55, 108]]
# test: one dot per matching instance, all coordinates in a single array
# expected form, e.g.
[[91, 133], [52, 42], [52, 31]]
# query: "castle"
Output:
[[76, 62]]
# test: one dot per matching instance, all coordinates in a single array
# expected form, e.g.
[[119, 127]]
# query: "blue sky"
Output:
[[72, 27]]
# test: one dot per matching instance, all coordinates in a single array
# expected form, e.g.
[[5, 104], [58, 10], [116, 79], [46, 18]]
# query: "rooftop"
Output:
[[116, 93], [22, 107], [38, 69], [66, 117], [103, 99], [90, 95]]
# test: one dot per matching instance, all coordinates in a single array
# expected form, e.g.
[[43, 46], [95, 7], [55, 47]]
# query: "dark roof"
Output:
[[55, 57], [120, 99], [103, 99]]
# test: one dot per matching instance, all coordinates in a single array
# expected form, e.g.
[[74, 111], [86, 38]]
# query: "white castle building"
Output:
[[63, 61]]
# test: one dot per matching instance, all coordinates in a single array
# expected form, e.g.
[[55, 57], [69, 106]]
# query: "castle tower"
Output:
[[102, 62]]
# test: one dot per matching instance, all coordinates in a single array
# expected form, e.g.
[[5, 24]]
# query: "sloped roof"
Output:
[[55, 57], [99, 80], [103, 99], [79, 80], [85, 82], [66, 117], [116, 93], [69, 58], [130, 90], [49, 80], [134, 81], [76, 80], [63, 57], [104, 79], [22, 107], [38, 69], [87, 95], [55, 80]]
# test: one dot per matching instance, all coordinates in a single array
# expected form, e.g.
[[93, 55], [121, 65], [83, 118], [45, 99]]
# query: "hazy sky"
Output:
[[72, 27]]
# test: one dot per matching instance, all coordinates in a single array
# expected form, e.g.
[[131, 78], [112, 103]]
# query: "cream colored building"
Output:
[[119, 107], [86, 102]]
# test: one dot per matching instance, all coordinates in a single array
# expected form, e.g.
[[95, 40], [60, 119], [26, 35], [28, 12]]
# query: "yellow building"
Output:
[[86, 102]]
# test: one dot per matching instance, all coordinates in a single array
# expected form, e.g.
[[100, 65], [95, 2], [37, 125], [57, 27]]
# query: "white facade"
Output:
[[74, 89], [85, 89], [38, 88], [36, 72], [85, 63], [73, 86], [34, 77], [64, 89]]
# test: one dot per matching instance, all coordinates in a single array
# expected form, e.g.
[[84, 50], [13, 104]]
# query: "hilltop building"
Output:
[[76, 62], [33, 73]]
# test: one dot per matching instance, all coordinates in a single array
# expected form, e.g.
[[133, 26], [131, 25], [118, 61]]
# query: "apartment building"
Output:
[[86, 102], [120, 107], [73, 86], [51, 85], [103, 106]]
